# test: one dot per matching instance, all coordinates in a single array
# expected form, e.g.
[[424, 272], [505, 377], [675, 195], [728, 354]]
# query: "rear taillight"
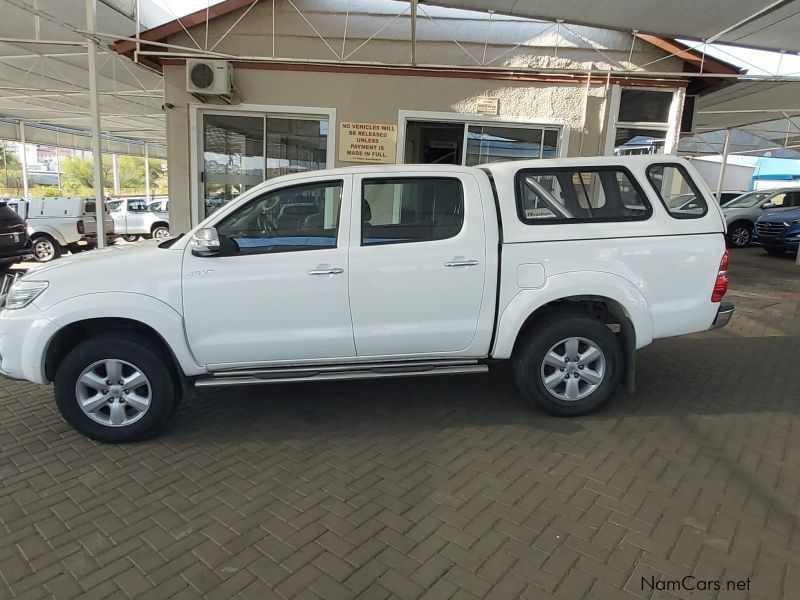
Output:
[[721, 284], [80, 227]]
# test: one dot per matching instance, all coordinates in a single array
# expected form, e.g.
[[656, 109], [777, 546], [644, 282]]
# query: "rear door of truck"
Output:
[[420, 271]]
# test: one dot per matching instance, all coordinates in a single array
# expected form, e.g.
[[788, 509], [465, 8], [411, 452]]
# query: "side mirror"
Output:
[[205, 242], [767, 206]]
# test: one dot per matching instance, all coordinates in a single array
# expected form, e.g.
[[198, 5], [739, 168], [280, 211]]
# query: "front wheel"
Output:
[[130, 238], [570, 366], [115, 389], [46, 249], [740, 235]]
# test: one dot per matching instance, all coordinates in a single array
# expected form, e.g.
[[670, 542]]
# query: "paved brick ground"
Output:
[[431, 488]]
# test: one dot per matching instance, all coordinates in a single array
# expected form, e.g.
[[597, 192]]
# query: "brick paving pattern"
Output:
[[431, 488]]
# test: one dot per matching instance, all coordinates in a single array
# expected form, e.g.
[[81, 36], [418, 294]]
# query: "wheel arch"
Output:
[[49, 232], [610, 298], [71, 335], [158, 224], [83, 316]]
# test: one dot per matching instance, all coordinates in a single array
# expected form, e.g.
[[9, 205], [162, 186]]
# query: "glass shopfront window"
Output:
[[465, 143], [240, 151]]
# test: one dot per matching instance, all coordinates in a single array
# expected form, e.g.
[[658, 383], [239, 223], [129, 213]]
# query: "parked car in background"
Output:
[[159, 203], [134, 218], [59, 224], [562, 267], [741, 213], [779, 232], [15, 244]]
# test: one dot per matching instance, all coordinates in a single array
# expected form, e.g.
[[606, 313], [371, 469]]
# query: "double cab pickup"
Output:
[[564, 267]]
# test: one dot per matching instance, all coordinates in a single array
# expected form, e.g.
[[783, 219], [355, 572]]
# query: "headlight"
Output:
[[23, 293], [790, 223]]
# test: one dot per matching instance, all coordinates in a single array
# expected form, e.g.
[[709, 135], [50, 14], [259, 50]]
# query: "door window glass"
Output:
[[572, 195], [303, 217], [401, 210], [677, 191]]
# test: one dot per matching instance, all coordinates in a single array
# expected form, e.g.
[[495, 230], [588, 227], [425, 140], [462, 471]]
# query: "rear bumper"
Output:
[[724, 314]]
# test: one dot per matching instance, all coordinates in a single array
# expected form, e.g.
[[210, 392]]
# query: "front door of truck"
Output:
[[277, 291], [417, 263]]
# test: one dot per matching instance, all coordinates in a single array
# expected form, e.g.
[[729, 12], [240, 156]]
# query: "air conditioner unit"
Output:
[[209, 77]]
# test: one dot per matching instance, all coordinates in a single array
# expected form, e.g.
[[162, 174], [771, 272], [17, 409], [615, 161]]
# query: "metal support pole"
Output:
[[146, 172], [115, 172], [58, 168], [24, 159], [725, 150], [97, 150], [413, 33]]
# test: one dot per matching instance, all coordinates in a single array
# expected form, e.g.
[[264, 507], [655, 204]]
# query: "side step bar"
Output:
[[340, 372]]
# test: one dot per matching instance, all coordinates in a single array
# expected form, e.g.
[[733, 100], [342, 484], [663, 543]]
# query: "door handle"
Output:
[[332, 271], [461, 263]]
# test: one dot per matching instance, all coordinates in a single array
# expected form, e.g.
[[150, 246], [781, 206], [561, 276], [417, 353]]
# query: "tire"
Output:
[[45, 248], [740, 235], [775, 250], [606, 368], [135, 419], [130, 238], [160, 232]]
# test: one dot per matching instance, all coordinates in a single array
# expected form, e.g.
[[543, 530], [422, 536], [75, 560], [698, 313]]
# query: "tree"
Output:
[[12, 169], [78, 175]]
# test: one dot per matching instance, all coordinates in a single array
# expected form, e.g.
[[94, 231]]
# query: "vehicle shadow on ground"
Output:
[[703, 375]]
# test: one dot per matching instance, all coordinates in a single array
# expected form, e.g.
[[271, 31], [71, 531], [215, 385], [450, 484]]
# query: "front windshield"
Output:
[[747, 200]]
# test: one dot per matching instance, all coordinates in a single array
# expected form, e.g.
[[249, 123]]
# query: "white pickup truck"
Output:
[[59, 224], [564, 267]]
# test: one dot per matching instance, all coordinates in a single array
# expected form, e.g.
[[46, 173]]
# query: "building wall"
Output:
[[373, 98], [378, 98]]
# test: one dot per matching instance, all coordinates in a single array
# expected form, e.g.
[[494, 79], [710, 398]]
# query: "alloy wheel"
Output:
[[44, 250], [740, 236], [113, 392], [573, 368]]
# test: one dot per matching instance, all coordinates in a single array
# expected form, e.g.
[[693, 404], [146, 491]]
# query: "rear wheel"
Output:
[[740, 235], [160, 232], [45, 248], [116, 389], [130, 238], [775, 250], [570, 366]]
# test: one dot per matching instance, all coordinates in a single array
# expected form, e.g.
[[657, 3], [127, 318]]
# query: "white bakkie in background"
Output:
[[563, 266]]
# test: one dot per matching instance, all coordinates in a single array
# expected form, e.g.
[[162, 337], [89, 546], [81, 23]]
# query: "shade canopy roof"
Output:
[[44, 77], [766, 24]]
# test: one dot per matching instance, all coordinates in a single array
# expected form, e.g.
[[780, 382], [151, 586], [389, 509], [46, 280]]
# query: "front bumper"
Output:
[[724, 314], [24, 334], [788, 239]]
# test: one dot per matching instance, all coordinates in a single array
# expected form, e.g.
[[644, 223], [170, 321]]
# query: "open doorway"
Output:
[[434, 142]]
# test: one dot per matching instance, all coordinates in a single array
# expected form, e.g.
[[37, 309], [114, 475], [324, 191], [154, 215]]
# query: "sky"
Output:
[[757, 62]]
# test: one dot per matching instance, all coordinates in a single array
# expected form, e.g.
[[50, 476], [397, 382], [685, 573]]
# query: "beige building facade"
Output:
[[308, 72]]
